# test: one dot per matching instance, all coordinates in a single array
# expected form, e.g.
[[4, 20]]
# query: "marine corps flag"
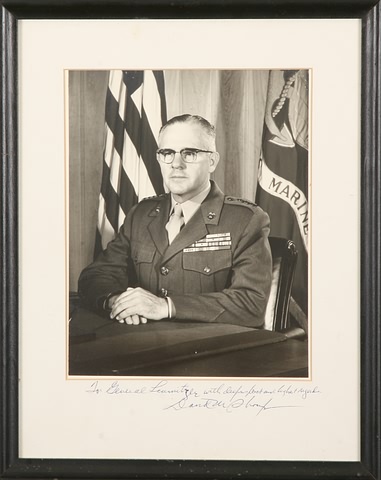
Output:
[[283, 170], [135, 111]]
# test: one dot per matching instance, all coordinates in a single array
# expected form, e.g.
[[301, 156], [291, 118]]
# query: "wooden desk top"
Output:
[[98, 346]]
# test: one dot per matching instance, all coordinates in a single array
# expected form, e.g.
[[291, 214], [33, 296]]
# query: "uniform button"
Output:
[[164, 270], [211, 215], [157, 209], [164, 292], [207, 270]]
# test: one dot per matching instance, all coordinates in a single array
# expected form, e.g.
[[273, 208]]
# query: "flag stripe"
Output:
[[151, 103], [109, 193], [114, 122], [148, 154], [128, 196], [131, 162], [159, 76], [133, 107]]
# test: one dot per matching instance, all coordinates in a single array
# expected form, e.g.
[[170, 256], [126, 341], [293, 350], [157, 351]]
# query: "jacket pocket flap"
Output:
[[144, 255], [207, 263]]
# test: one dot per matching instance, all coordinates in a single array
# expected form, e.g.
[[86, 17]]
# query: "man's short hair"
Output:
[[188, 118]]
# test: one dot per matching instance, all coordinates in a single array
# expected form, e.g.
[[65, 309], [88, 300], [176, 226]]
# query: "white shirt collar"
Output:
[[192, 205]]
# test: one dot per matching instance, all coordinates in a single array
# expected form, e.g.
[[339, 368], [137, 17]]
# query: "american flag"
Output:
[[135, 111]]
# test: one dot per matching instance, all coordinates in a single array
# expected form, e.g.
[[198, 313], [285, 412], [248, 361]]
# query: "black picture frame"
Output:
[[11, 466]]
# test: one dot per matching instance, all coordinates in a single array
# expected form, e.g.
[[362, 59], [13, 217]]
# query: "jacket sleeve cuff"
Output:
[[102, 302]]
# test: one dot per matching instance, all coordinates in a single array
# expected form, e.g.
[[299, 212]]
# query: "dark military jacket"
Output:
[[218, 268]]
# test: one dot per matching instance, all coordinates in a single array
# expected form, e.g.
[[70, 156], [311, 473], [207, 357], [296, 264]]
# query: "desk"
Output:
[[99, 346]]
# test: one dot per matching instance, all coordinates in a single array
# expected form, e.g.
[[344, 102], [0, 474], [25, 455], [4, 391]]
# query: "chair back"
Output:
[[284, 255]]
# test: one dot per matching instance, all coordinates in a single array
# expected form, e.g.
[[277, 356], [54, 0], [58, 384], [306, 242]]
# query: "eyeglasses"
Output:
[[189, 155]]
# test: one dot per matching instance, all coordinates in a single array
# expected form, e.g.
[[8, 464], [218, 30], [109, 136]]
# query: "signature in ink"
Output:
[[229, 406]]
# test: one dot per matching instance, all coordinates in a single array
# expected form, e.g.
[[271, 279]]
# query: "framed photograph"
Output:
[[241, 338]]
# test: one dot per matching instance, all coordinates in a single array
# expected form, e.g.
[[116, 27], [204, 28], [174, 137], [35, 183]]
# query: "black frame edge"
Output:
[[160, 9], [9, 240], [370, 241], [11, 466]]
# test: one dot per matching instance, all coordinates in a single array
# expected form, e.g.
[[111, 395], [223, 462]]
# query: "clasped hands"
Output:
[[136, 305]]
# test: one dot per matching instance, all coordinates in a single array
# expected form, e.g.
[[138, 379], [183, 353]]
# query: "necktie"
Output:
[[176, 221]]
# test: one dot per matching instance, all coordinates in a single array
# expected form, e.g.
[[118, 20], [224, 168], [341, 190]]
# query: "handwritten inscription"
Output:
[[229, 406], [225, 397]]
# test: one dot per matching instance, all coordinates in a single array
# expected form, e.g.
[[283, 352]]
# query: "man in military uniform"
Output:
[[192, 254]]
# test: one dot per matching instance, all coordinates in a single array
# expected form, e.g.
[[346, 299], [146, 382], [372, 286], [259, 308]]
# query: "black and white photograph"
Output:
[[188, 222]]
